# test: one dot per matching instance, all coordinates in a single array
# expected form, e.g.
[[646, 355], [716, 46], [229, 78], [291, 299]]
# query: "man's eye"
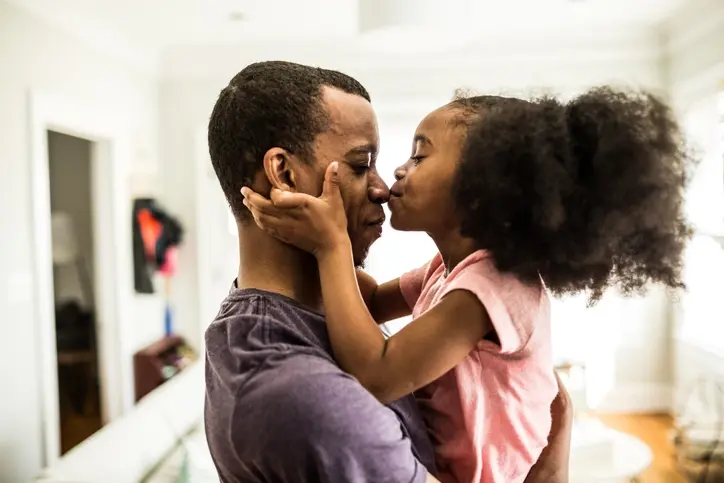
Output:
[[360, 168]]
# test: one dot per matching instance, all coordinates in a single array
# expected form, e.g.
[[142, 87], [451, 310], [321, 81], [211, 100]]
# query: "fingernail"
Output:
[[243, 191]]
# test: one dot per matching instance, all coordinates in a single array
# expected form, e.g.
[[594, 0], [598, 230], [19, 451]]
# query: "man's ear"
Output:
[[279, 169]]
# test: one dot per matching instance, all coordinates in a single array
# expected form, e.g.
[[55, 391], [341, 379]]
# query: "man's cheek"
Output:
[[344, 193], [347, 202]]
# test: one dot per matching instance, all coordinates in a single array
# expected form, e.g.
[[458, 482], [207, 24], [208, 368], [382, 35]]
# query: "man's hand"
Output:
[[552, 465], [315, 225]]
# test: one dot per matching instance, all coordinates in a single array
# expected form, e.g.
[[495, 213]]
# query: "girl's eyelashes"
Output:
[[417, 159]]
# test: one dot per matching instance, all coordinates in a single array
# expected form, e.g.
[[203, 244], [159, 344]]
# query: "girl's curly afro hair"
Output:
[[585, 195]]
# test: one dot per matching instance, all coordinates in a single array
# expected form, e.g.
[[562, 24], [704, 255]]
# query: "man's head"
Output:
[[280, 124]]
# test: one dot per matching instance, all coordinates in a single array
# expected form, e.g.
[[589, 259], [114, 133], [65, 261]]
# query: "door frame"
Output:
[[110, 155]]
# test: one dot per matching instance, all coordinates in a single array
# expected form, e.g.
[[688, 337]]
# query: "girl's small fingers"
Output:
[[258, 201], [265, 205], [271, 224], [263, 220], [287, 199]]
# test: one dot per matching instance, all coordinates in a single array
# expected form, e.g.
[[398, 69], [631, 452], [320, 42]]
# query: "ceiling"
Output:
[[153, 25]]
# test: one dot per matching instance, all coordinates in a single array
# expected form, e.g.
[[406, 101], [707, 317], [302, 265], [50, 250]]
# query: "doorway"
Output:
[[73, 248], [99, 130]]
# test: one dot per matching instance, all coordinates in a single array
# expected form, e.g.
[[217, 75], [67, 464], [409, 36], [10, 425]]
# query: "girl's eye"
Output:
[[417, 159]]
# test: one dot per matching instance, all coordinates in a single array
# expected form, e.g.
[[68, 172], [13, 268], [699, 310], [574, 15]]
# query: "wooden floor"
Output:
[[653, 429], [77, 423]]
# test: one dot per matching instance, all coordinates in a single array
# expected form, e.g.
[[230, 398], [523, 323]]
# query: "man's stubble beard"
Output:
[[360, 263], [360, 259]]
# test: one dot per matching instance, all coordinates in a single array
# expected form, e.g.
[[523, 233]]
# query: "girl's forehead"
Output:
[[441, 123]]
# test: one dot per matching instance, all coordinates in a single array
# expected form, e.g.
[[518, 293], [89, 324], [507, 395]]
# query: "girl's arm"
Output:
[[417, 355], [385, 302]]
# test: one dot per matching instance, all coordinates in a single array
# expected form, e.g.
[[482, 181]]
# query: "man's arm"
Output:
[[552, 465]]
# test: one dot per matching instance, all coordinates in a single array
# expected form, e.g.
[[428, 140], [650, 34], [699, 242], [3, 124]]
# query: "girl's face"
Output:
[[421, 198]]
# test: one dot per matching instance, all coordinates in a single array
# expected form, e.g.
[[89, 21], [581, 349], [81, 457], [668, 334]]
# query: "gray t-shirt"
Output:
[[279, 409]]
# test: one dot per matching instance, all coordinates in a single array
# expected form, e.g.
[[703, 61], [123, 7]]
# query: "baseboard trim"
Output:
[[638, 398]]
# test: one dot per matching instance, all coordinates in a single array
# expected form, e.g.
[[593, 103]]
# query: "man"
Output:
[[278, 408]]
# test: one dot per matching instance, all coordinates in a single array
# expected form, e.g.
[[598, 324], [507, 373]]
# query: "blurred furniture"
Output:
[[190, 462], [600, 454], [131, 448], [699, 432], [700, 454], [159, 362]]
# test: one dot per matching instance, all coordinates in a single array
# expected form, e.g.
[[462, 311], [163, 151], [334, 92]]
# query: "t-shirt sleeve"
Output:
[[507, 301], [412, 282], [323, 428]]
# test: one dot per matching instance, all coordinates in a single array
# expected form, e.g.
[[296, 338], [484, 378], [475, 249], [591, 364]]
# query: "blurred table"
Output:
[[600, 454]]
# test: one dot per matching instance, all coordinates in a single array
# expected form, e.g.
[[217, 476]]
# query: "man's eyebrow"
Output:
[[362, 149]]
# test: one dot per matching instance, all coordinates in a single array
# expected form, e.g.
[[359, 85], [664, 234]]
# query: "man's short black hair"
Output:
[[268, 104]]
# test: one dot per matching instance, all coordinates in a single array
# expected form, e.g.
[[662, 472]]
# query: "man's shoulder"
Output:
[[256, 317], [254, 303]]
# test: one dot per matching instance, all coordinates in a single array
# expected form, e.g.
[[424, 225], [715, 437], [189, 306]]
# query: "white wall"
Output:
[[36, 56], [631, 370], [694, 51]]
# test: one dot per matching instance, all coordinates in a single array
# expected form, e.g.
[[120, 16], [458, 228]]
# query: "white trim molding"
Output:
[[112, 233]]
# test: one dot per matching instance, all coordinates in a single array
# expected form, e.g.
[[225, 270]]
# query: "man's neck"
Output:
[[265, 263]]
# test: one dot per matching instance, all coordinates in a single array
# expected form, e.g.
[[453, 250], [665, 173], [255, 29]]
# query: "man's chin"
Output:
[[359, 260], [359, 256]]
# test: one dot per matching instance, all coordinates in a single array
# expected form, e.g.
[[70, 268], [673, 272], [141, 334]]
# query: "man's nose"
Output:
[[378, 191]]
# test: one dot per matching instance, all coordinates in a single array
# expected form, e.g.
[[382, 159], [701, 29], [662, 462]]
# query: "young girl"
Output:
[[519, 197]]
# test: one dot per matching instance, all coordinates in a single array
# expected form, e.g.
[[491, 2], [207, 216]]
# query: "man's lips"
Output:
[[378, 221], [376, 225]]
